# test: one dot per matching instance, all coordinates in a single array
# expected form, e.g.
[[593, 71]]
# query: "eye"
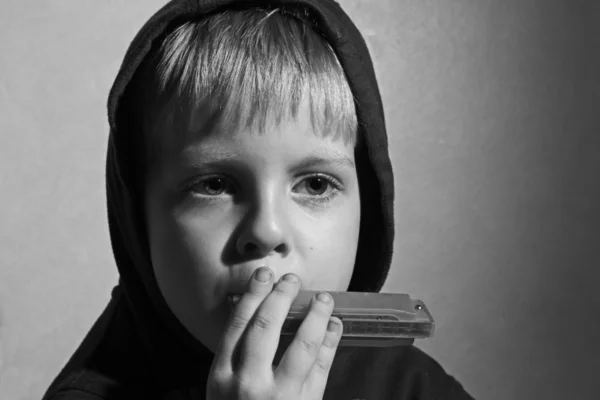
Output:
[[317, 185], [212, 186]]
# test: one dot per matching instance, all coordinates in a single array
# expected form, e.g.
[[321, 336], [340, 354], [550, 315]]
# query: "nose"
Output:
[[265, 232]]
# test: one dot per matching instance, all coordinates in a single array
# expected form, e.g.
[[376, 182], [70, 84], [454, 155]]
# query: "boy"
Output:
[[247, 159]]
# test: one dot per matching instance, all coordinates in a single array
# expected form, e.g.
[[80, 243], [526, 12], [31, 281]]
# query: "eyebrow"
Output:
[[211, 156], [321, 159], [326, 156], [217, 156]]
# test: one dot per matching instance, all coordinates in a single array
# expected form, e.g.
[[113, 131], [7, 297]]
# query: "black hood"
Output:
[[166, 341]]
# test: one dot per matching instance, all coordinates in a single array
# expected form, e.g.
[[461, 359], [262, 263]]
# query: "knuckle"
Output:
[[263, 320], [309, 346], [215, 381], [247, 383], [249, 386], [331, 341], [238, 322], [257, 293], [323, 365], [247, 390], [218, 383], [218, 377]]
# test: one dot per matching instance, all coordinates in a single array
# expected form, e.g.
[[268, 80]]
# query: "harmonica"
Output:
[[369, 319]]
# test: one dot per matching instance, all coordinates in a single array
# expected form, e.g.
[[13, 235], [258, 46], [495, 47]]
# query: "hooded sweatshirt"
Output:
[[138, 348]]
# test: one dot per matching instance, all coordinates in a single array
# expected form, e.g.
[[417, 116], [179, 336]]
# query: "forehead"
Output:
[[291, 144], [281, 151]]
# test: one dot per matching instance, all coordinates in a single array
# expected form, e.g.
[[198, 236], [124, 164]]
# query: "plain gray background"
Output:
[[492, 111]]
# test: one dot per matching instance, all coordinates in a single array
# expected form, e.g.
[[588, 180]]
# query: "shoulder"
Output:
[[73, 395], [440, 384], [107, 365], [87, 384], [392, 373], [81, 385]]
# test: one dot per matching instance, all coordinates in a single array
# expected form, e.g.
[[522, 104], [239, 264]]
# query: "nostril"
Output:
[[282, 248], [250, 248]]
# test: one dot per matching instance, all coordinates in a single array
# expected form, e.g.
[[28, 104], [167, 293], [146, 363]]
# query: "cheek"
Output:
[[186, 259], [332, 249]]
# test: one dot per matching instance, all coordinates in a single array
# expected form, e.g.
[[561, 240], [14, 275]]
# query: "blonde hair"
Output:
[[242, 69]]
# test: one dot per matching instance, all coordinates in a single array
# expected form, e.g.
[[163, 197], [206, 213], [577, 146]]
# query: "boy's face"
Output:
[[224, 204]]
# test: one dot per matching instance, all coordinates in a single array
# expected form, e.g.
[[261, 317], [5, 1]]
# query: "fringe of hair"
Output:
[[243, 69]]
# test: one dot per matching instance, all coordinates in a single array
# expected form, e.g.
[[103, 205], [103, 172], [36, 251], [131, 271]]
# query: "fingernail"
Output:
[[263, 274], [324, 297], [332, 326], [291, 278]]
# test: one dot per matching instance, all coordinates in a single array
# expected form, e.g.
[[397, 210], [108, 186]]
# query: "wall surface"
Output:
[[492, 111]]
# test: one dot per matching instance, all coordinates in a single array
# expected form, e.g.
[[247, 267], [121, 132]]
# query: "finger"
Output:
[[318, 376], [298, 360], [259, 286], [262, 336]]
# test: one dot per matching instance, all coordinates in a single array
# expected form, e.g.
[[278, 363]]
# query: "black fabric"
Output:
[[138, 348], [111, 365]]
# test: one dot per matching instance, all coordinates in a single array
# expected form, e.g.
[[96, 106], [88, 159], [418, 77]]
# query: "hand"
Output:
[[243, 364]]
